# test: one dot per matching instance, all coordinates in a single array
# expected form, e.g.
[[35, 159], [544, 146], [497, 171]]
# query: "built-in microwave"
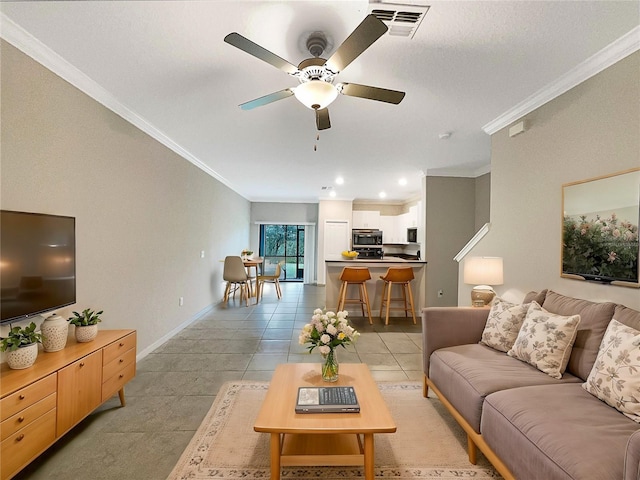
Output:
[[366, 238], [412, 235]]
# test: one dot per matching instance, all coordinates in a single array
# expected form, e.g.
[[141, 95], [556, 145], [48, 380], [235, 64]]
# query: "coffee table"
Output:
[[322, 439]]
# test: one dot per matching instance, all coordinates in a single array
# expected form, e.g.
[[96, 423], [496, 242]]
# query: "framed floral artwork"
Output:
[[600, 229]]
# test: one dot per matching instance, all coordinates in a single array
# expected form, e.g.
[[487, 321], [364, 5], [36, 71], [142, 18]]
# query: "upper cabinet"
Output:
[[394, 227], [391, 231], [412, 216], [366, 219]]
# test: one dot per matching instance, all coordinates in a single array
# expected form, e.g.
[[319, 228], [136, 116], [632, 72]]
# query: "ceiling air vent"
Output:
[[402, 20]]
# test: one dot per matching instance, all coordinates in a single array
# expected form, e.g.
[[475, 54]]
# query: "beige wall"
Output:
[[143, 214], [450, 211], [483, 200], [592, 130]]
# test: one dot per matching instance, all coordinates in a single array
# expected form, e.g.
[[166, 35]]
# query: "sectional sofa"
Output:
[[547, 389]]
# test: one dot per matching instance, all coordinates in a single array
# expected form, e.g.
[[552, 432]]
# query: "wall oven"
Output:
[[366, 238]]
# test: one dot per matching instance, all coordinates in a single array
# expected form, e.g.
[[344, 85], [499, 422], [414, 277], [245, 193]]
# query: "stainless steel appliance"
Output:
[[369, 253], [412, 235], [366, 238]]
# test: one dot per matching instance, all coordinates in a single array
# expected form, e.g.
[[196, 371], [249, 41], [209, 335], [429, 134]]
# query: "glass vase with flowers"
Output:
[[327, 331]]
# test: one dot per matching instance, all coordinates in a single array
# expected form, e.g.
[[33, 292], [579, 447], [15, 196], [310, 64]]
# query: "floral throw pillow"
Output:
[[615, 377], [545, 340], [503, 324]]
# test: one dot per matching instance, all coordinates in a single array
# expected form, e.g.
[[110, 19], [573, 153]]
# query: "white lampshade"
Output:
[[316, 94], [483, 271]]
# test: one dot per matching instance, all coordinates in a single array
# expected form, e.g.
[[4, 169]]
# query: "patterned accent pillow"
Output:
[[615, 377], [503, 324], [545, 340]]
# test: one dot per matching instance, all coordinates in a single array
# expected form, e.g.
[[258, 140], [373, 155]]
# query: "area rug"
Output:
[[428, 442]]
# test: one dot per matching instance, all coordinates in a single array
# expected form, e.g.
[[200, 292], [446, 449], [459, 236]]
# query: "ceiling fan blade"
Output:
[[272, 97], [371, 93], [369, 30], [322, 119], [262, 53]]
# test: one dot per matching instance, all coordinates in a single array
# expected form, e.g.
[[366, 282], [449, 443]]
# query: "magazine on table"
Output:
[[327, 400]]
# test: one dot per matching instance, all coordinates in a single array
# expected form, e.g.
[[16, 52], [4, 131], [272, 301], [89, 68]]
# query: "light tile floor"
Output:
[[177, 383]]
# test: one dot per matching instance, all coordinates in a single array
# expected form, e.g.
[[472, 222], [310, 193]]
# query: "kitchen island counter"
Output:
[[377, 268]]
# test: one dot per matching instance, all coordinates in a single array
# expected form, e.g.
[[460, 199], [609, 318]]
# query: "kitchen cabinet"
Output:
[[78, 392], [394, 230], [38, 405], [366, 219]]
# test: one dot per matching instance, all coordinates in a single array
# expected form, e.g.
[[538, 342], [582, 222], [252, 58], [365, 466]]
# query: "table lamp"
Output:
[[483, 272]]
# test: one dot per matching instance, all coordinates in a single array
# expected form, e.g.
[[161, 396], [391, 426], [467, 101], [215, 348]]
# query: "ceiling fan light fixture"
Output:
[[316, 94]]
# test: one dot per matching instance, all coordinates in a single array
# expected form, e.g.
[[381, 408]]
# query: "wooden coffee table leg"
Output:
[[275, 456], [369, 473]]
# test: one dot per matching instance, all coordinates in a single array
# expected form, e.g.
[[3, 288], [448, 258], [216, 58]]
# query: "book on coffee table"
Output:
[[327, 400]]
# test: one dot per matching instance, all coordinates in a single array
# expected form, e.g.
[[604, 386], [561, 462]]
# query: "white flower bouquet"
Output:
[[327, 330]]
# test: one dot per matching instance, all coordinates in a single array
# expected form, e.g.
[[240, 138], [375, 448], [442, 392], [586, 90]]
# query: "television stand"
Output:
[[40, 404]]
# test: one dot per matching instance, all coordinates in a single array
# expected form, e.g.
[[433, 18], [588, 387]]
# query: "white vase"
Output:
[[23, 357], [55, 330], [86, 333]]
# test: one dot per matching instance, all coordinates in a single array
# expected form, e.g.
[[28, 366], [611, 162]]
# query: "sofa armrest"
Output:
[[632, 458], [450, 326]]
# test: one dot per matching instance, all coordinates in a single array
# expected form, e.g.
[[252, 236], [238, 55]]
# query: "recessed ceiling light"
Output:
[[332, 193], [339, 180], [382, 195], [402, 181], [444, 135]]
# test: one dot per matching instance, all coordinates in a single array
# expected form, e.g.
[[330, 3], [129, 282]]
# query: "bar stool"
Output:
[[403, 277], [355, 276]]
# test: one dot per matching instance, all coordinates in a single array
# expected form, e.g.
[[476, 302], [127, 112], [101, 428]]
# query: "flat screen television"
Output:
[[37, 264]]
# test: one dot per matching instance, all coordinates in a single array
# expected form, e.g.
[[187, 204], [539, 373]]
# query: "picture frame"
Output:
[[600, 218]]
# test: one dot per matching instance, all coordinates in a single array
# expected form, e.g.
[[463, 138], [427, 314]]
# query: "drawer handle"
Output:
[[121, 344], [121, 360], [121, 375], [21, 397], [19, 437], [20, 419], [82, 364]]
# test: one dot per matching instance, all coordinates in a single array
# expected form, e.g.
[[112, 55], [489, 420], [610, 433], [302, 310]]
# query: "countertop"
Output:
[[386, 260]]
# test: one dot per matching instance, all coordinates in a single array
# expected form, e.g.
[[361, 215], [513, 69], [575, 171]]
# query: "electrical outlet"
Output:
[[440, 293], [181, 301]]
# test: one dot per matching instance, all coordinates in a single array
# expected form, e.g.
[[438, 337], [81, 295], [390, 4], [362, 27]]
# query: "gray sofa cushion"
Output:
[[594, 319], [556, 432], [466, 374], [628, 316]]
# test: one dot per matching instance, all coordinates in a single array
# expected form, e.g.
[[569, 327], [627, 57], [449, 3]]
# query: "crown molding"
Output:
[[34, 48], [612, 53]]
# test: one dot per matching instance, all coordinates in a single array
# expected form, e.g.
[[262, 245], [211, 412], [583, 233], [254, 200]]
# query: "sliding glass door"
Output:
[[283, 244]]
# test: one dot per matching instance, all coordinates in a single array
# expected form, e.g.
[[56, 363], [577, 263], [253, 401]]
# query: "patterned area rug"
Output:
[[428, 443]]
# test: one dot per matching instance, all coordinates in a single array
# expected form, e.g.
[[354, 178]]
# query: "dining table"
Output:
[[249, 263]]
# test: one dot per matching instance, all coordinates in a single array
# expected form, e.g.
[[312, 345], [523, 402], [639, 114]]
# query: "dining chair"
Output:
[[274, 278], [236, 276]]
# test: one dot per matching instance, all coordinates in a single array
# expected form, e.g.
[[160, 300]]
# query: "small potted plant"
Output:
[[21, 346], [86, 324], [247, 254]]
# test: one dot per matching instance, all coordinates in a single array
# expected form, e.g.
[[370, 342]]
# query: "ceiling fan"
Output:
[[316, 90]]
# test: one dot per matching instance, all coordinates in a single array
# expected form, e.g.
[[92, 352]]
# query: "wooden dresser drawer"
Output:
[[27, 443], [27, 396], [118, 364], [116, 382], [24, 417], [117, 348]]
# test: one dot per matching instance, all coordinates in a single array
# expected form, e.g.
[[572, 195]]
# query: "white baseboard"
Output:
[[173, 333]]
